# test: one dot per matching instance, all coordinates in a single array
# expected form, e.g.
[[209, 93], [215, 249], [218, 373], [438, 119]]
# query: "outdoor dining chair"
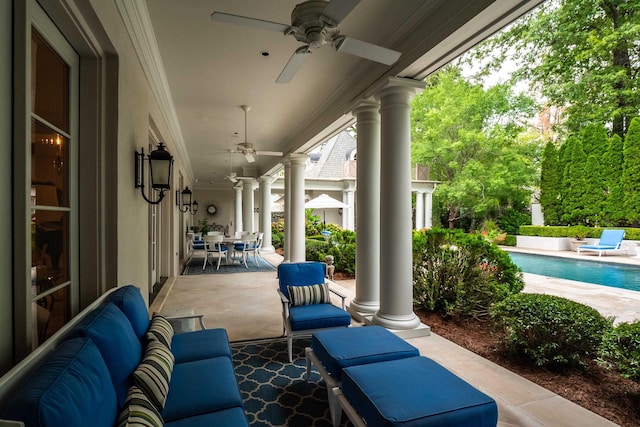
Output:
[[213, 246]]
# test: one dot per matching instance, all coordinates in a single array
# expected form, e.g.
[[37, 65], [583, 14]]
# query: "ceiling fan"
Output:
[[315, 23], [246, 148]]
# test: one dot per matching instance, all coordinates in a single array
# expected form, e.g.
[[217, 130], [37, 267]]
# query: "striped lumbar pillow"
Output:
[[306, 295], [139, 411], [154, 373], [160, 329]]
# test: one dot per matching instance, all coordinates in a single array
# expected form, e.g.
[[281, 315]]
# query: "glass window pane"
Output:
[[49, 83], [49, 249], [50, 312], [49, 166]]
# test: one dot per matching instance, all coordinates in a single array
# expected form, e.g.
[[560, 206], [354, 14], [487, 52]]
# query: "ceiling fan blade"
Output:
[[337, 10], [366, 50], [270, 153], [249, 22], [294, 64]]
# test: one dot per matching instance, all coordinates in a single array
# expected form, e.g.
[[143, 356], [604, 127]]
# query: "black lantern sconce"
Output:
[[183, 201], [160, 164]]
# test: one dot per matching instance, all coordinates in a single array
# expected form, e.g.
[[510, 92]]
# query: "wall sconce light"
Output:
[[340, 211], [183, 201], [160, 164]]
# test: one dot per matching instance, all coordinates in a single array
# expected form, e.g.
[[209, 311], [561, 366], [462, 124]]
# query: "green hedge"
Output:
[[621, 350], [550, 330], [565, 231]]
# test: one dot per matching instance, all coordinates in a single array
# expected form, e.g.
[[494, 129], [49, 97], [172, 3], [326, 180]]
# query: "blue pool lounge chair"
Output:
[[610, 240]]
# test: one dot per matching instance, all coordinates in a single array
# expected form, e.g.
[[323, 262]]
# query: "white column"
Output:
[[287, 210], [428, 209], [248, 204], [297, 218], [367, 299], [238, 206], [419, 210], [396, 281], [265, 212], [348, 219]]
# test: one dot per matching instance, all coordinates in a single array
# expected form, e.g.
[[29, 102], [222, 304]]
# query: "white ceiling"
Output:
[[212, 68]]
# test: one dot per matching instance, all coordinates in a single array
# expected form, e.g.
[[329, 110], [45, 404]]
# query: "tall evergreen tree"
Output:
[[614, 199], [550, 185], [594, 143], [575, 184], [631, 173]]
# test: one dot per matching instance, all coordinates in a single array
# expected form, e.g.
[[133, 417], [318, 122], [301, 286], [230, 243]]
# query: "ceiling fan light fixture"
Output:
[[249, 157]]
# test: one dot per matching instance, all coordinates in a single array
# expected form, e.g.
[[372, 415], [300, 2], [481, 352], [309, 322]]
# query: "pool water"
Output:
[[599, 273]]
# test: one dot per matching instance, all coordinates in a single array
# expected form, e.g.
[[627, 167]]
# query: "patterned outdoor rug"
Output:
[[274, 391], [194, 266]]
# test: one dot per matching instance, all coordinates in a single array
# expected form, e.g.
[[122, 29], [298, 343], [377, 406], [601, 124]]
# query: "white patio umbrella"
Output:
[[323, 202]]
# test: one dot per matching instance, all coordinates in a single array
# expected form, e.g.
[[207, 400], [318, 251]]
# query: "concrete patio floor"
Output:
[[247, 306]]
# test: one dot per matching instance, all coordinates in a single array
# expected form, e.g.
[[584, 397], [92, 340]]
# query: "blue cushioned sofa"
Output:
[[81, 375]]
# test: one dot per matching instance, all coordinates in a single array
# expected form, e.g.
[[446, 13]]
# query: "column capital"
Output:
[[398, 85], [238, 185], [368, 106], [248, 182], [267, 179], [296, 158]]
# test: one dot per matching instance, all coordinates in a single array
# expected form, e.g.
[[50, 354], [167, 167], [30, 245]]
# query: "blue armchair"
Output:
[[306, 305]]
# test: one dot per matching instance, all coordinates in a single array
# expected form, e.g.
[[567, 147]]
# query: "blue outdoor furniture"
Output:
[[610, 240], [309, 308]]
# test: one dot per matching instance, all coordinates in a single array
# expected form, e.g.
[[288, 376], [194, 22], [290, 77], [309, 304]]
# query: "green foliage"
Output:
[[574, 184], [312, 223], [277, 226], [277, 240], [461, 275], [469, 136], [550, 330], [578, 232], [620, 349], [614, 199], [316, 250], [511, 221], [551, 185], [562, 231], [631, 172], [580, 55], [510, 240]]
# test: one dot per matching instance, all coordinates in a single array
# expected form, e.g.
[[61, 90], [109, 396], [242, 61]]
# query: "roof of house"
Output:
[[334, 153]]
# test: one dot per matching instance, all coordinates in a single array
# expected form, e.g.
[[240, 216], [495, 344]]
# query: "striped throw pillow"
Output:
[[306, 295], [160, 329], [138, 411], [154, 373]]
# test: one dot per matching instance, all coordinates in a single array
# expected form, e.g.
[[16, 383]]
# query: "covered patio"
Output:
[[224, 302]]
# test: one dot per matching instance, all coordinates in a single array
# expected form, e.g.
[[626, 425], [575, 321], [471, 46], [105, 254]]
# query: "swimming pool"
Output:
[[599, 273]]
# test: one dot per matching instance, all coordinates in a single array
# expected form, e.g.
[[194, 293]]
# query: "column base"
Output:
[[421, 330], [395, 321], [362, 311], [268, 249]]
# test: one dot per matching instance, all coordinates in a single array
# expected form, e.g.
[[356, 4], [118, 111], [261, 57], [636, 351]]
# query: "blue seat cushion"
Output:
[[197, 244], [198, 345], [232, 417], [72, 387], [110, 330], [340, 348], [317, 316], [129, 300], [200, 387], [416, 392]]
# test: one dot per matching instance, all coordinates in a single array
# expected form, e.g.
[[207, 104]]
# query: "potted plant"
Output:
[[578, 233], [204, 227]]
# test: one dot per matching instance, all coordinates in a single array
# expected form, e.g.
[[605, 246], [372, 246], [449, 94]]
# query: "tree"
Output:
[[574, 183], [631, 172], [469, 138], [579, 54], [595, 143], [550, 185], [614, 200]]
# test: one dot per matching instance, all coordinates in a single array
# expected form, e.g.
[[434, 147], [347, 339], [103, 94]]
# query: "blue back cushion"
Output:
[[611, 237], [300, 274], [129, 300], [121, 349], [71, 388]]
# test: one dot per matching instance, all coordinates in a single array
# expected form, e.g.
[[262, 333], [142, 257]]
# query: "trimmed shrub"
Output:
[[620, 349], [510, 240], [549, 330], [461, 275], [315, 250]]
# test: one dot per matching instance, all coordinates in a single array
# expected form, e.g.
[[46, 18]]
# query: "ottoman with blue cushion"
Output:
[[333, 350], [413, 392], [337, 349]]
